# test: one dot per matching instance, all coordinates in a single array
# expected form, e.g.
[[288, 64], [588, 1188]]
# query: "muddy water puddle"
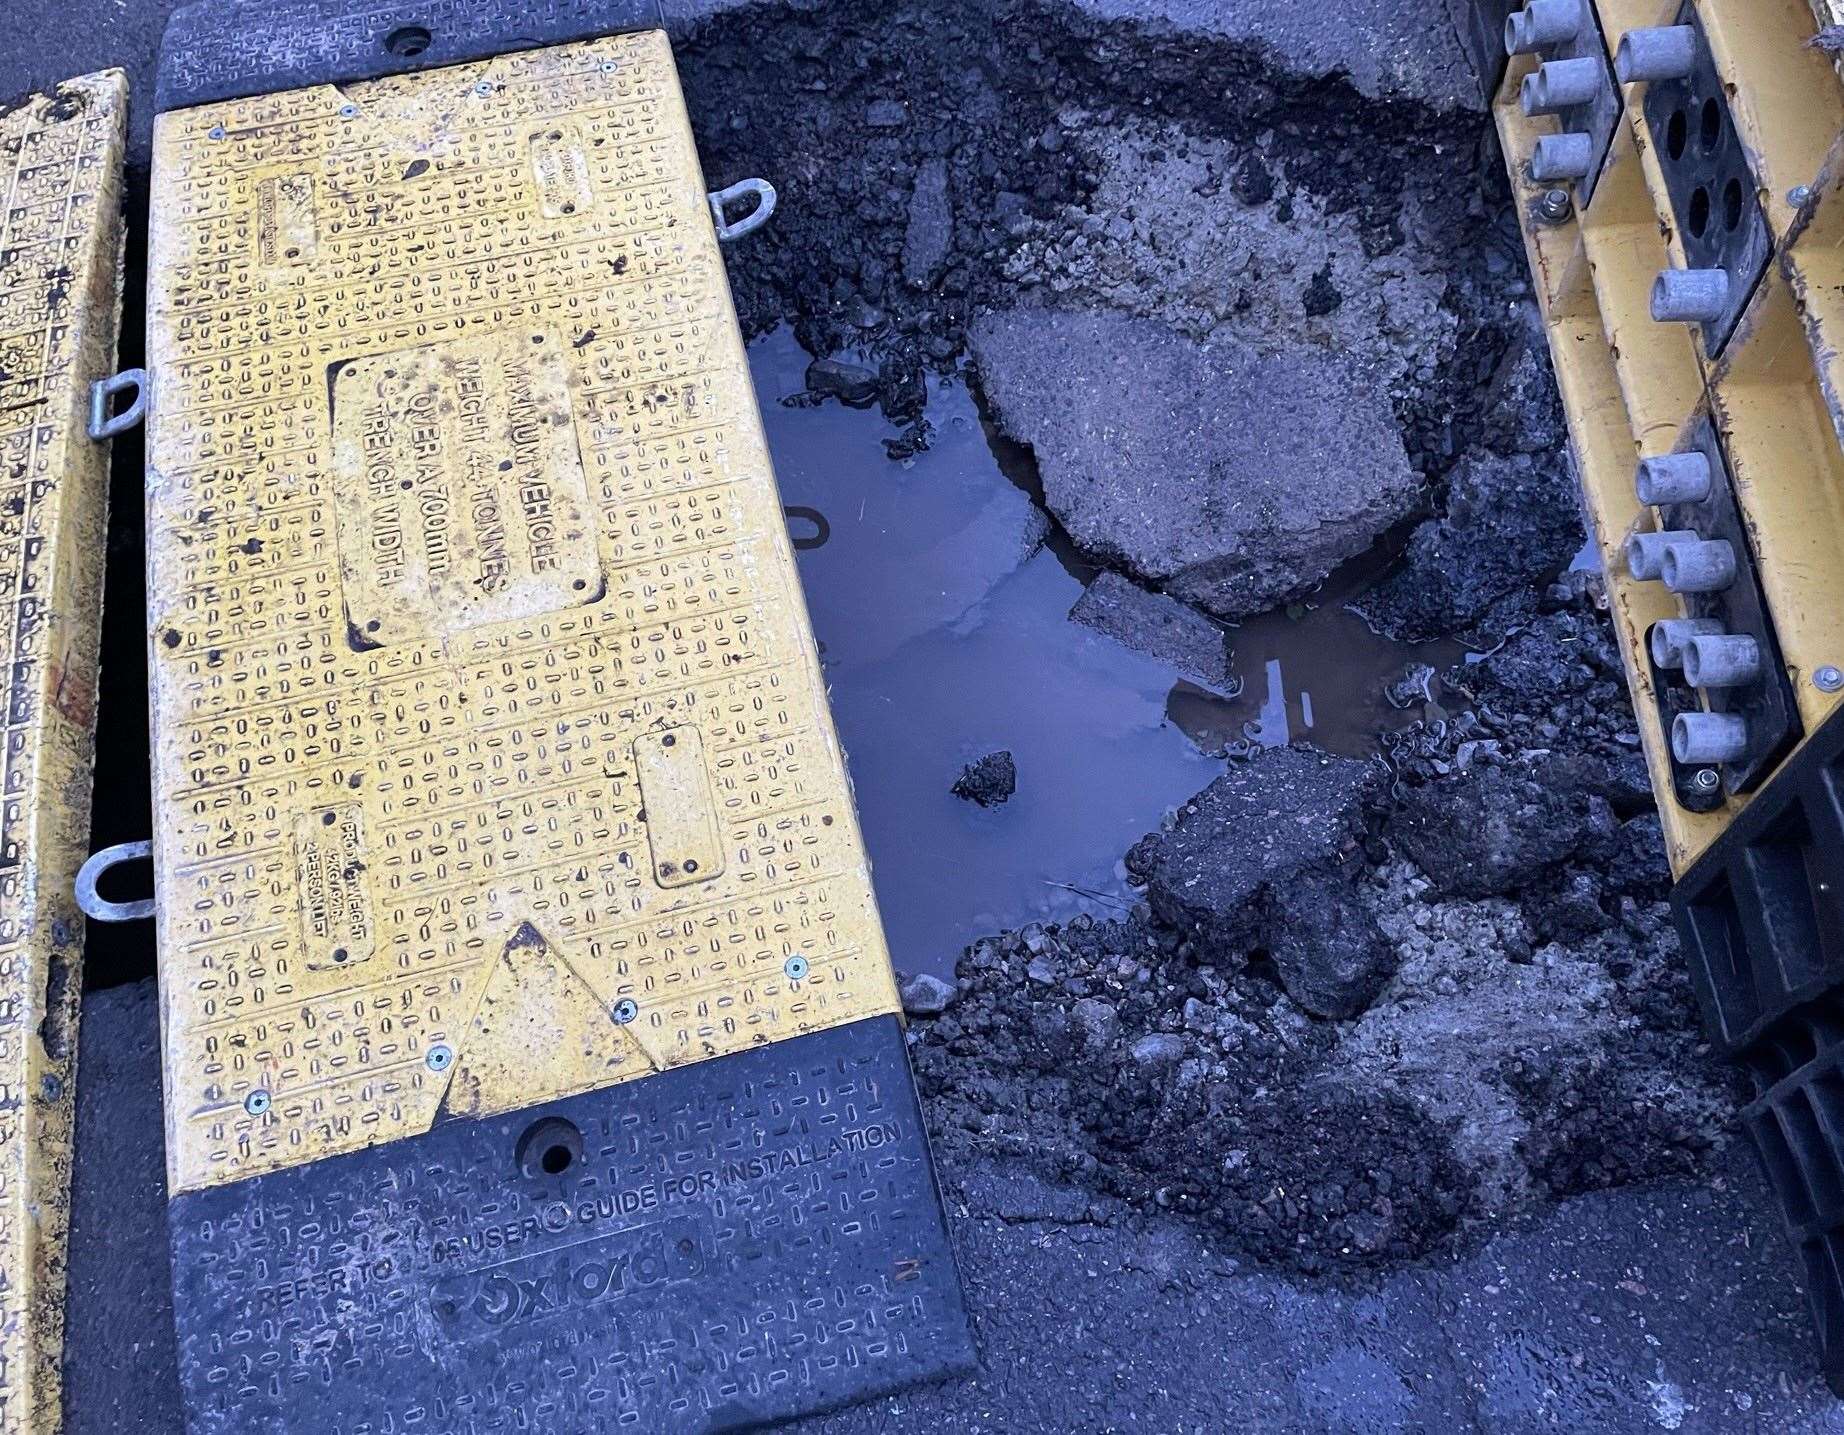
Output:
[[940, 595]]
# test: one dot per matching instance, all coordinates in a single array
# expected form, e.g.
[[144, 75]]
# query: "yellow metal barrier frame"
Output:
[[60, 299], [492, 754], [1632, 386]]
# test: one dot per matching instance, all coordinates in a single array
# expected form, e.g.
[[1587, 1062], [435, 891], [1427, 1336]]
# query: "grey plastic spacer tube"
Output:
[[1557, 157], [1667, 52], [1708, 737], [1690, 296], [1701, 567], [1673, 478], [1558, 84], [1721, 660], [1645, 552], [1670, 634], [1542, 23]]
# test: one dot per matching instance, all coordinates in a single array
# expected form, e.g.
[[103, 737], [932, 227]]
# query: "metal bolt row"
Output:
[[1686, 562], [1554, 86]]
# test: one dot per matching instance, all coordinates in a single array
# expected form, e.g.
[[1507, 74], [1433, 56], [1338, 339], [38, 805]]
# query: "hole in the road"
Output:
[[941, 603], [406, 42], [549, 1147]]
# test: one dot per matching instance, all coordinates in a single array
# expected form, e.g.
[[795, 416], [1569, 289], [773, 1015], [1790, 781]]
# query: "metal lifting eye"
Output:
[[722, 199], [99, 908]]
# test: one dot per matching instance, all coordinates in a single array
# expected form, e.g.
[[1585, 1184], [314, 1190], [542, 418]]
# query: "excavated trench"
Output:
[[1344, 1006]]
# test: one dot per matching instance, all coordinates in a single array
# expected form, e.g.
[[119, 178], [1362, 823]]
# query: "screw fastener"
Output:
[[256, 1102], [1705, 780], [626, 1010], [440, 1058], [795, 967], [1798, 195], [216, 132], [1828, 679], [484, 88]]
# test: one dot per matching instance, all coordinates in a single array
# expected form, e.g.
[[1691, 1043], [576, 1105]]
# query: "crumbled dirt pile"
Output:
[[1537, 1037], [1366, 1009]]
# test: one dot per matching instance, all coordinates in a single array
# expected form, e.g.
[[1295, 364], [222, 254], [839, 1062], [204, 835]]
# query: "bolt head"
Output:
[[1828, 679], [1555, 206], [1798, 195], [795, 967], [216, 132], [484, 88], [256, 1102], [1706, 779], [626, 1010], [440, 1057], [348, 112]]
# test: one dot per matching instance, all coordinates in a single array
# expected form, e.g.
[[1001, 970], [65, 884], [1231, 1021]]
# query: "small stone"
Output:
[[1042, 971], [1161, 627], [930, 236], [927, 995], [1157, 1050], [886, 115], [990, 781], [1097, 1021], [1410, 687], [852, 384]]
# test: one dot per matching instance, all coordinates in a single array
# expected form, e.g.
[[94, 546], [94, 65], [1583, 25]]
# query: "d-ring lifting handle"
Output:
[[722, 199], [103, 424], [94, 904]]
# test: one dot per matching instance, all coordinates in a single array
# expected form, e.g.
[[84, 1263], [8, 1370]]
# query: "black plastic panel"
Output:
[[229, 49], [1709, 179], [1767, 703], [1761, 915], [1797, 1126], [731, 1243], [1762, 912]]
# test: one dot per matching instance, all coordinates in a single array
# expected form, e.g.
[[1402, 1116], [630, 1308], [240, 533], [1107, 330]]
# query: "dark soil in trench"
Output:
[[1519, 1028]]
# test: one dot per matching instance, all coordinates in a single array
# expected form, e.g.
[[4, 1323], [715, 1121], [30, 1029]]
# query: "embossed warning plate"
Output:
[[460, 491], [731, 1243], [60, 293]]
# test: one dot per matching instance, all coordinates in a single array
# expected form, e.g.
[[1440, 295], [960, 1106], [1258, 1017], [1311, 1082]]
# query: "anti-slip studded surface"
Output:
[[60, 296], [471, 598], [734, 1242]]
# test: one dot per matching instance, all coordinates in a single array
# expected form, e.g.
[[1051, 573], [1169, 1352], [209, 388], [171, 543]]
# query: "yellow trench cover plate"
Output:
[[60, 301], [492, 755]]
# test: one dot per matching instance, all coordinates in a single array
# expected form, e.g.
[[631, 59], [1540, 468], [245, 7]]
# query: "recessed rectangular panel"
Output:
[[459, 511], [682, 823], [60, 295], [460, 488]]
